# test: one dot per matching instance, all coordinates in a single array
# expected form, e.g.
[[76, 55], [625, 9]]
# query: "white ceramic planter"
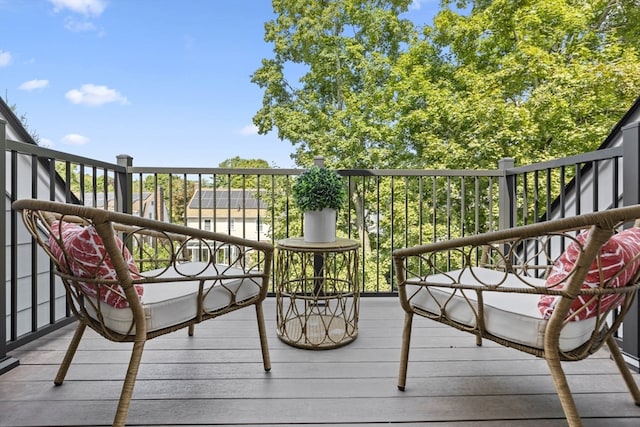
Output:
[[320, 226]]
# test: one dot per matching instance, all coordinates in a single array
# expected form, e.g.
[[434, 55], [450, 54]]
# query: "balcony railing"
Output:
[[387, 209]]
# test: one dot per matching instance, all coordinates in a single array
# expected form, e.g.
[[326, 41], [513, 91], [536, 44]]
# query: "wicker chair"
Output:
[[128, 278], [558, 290]]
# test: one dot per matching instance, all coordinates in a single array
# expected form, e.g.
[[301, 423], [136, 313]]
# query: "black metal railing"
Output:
[[387, 209]]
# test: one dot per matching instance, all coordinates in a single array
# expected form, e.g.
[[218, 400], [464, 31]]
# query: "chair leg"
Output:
[[264, 345], [404, 352], [127, 388], [68, 356], [192, 328], [564, 393], [624, 369]]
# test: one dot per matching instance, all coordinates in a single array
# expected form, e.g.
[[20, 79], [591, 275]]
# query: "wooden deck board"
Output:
[[216, 378]]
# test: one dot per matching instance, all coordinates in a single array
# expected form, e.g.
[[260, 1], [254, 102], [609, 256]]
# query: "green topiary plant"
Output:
[[318, 188]]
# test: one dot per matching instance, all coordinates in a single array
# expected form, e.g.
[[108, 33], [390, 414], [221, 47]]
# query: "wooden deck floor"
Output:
[[216, 378]]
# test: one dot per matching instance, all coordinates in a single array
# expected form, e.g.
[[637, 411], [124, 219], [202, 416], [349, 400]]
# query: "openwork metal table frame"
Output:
[[317, 293]]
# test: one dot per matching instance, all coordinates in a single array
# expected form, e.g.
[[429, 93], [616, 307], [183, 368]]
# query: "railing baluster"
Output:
[[442, 210]]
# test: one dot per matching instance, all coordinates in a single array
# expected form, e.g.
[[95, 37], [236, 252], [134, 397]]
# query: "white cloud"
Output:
[[33, 85], [90, 94], [249, 130], [74, 139], [83, 7], [79, 26], [5, 58]]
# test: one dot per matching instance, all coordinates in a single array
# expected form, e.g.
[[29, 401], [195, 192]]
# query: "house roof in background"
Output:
[[99, 197], [225, 199]]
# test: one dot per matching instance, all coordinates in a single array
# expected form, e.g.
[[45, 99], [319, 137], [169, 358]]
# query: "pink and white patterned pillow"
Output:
[[88, 258], [618, 252], [66, 230]]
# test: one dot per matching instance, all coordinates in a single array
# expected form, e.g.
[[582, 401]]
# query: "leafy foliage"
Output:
[[240, 181], [319, 188], [355, 82], [323, 89], [533, 81]]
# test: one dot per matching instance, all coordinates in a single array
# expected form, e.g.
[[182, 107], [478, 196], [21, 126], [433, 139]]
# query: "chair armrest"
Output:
[[528, 252], [155, 246], [98, 216]]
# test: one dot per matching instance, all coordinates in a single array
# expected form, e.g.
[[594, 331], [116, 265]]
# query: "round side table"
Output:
[[317, 292]]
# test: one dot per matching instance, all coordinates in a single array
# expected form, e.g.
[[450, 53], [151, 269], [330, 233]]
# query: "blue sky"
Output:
[[165, 81]]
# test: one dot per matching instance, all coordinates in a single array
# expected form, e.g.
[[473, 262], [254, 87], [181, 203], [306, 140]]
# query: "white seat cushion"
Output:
[[511, 316], [170, 303]]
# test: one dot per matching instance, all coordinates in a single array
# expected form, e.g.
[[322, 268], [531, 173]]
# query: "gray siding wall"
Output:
[[28, 287]]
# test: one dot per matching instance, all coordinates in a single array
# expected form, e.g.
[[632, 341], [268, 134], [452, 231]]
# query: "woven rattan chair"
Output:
[[128, 278], [545, 289]]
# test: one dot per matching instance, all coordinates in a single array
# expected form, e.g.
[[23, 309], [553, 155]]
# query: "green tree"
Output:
[[531, 80], [246, 178], [342, 53]]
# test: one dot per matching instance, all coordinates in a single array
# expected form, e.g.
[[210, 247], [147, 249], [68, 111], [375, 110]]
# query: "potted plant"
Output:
[[319, 193]]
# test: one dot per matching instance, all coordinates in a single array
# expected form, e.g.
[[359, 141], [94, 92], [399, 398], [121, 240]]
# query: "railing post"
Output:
[[124, 185], [506, 196], [631, 196], [6, 362]]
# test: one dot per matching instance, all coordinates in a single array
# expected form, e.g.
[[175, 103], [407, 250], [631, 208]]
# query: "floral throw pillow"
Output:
[[89, 258], [619, 251]]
